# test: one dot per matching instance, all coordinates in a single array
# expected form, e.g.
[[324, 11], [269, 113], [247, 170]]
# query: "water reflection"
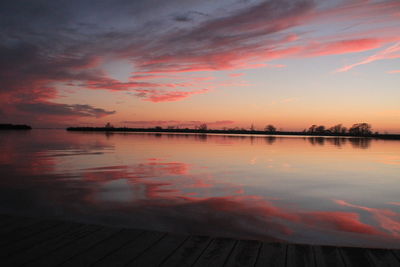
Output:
[[337, 141], [317, 141], [270, 188], [362, 143], [270, 140], [357, 142]]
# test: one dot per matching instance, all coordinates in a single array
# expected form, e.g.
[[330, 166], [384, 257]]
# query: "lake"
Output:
[[314, 190]]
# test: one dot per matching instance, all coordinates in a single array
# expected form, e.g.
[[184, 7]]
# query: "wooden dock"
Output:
[[38, 242]]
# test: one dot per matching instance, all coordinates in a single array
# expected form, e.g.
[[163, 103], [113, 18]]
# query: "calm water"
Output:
[[336, 191]]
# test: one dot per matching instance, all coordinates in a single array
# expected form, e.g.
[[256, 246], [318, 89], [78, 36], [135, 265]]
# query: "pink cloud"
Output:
[[394, 71], [114, 85], [148, 77], [343, 47], [388, 53], [289, 100], [166, 96], [358, 10], [236, 74], [276, 65], [252, 39], [160, 76], [254, 42], [178, 123], [394, 203]]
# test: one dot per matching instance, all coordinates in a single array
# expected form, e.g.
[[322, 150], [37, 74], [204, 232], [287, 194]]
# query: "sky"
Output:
[[227, 63]]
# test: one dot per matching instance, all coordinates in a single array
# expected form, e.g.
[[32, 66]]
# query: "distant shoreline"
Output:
[[211, 131], [15, 127]]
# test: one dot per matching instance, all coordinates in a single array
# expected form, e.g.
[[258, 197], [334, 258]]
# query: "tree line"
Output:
[[357, 129], [14, 127]]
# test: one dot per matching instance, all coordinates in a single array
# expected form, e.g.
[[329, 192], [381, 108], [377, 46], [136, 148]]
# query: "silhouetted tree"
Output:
[[270, 128], [316, 129], [312, 128], [320, 129], [336, 129], [108, 126], [203, 127], [8, 126], [360, 129]]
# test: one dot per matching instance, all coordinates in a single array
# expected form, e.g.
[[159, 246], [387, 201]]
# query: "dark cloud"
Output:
[[189, 16], [45, 41], [182, 18], [55, 109], [225, 42]]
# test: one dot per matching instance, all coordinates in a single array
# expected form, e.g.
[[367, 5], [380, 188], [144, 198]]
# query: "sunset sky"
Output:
[[226, 63]]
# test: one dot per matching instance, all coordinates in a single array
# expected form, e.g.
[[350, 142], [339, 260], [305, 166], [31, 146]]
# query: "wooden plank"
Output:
[[272, 254], [16, 224], [28, 231], [396, 253], [4, 216], [217, 252], [158, 253], [300, 255], [328, 256], [51, 243], [383, 257], [93, 254], [48, 246], [189, 252], [5, 219], [244, 254], [36, 239], [104, 236], [355, 257], [130, 251]]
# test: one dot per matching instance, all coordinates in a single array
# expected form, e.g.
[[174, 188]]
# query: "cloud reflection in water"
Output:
[[206, 185]]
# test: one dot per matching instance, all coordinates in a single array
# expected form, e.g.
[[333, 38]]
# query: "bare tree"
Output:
[[270, 128], [320, 129], [316, 129], [312, 128], [203, 127], [337, 129], [360, 129], [108, 126]]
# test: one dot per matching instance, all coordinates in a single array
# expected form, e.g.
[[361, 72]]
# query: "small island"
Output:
[[15, 127]]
